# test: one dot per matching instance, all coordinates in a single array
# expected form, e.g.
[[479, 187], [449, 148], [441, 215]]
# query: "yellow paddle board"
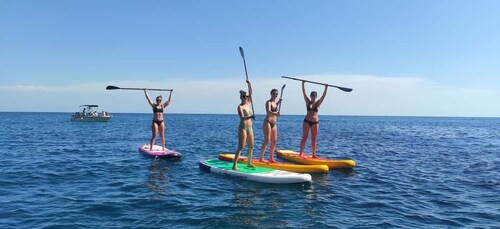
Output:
[[293, 156], [278, 165]]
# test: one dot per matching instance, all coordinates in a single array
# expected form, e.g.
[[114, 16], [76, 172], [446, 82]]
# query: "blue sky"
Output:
[[436, 58]]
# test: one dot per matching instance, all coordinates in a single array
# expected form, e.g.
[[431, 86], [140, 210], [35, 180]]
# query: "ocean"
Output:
[[412, 172]]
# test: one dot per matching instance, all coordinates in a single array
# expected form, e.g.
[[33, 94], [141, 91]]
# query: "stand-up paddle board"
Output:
[[293, 156], [278, 165], [158, 152], [258, 174]]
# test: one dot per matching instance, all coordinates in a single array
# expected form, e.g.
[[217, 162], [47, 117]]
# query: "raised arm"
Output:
[[323, 96], [279, 105], [169, 99], [304, 93], [147, 97], [240, 113]]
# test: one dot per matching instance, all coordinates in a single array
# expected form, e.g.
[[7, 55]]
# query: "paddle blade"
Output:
[[242, 53], [282, 89], [110, 87], [345, 89]]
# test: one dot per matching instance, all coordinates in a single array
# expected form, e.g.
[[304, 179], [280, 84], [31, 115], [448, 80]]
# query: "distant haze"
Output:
[[372, 95]]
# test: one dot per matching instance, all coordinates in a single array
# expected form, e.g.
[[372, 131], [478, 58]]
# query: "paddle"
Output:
[[110, 87], [341, 88], [281, 96], [246, 74]]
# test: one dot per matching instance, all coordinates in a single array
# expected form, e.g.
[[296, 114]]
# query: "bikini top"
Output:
[[247, 113], [156, 110], [309, 108], [274, 109]]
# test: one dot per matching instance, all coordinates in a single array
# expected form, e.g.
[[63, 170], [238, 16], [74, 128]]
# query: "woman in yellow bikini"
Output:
[[311, 121], [158, 125], [245, 131], [269, 126]]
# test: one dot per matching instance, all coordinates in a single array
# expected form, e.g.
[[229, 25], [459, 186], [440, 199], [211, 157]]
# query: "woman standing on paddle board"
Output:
[[245, 130], [158, 124], [311, 121], [269, 126]]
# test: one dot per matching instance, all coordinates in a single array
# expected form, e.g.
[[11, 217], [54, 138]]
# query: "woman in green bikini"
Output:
[[245, 131]]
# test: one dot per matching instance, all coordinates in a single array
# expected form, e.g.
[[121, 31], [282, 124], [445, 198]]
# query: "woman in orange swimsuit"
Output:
[[311, 121], [158, 125], [269, 126]]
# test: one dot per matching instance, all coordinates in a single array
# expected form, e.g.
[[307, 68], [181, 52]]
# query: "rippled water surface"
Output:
[[411, 172]]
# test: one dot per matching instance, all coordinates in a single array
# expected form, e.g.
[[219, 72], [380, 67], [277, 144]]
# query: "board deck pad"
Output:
[[257, 174], [242, 167]]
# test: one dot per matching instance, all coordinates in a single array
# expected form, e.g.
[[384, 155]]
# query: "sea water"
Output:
[[411, 172]]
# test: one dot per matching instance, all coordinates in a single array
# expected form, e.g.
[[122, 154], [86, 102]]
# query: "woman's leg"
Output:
[[314, 134], [274, 141], [161, 129], [267, 134], [242, 135], [154, 129], [305, 134], [250, 143]]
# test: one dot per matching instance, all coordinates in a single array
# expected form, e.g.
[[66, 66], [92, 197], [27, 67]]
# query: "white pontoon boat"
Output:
[[87, 113]]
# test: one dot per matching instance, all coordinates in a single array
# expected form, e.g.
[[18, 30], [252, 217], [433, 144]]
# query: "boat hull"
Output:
[[90, 119]]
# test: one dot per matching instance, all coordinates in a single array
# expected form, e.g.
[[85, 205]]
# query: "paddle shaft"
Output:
[[152, 89], [246, 74], [132, 88], [341, 88]]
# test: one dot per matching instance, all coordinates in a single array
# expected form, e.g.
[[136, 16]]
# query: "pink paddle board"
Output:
[[157, 152]]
